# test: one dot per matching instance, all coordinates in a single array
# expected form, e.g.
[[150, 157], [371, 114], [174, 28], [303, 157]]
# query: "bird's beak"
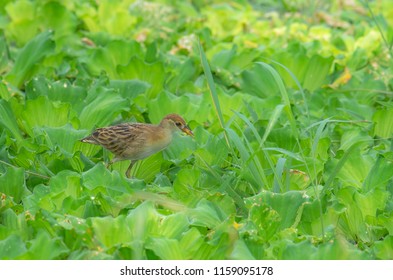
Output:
[[187, 130]]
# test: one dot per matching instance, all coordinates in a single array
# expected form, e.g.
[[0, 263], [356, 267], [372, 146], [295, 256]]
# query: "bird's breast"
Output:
[[150, 146]]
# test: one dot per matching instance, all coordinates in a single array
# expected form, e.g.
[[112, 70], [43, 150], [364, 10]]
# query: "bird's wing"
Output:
[[118, 138]]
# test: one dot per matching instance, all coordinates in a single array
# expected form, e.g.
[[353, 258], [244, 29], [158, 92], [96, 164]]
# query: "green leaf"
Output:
[[111, 231], [279, 202], [311, 71], [174, 226], [300, 251], [181, 148], [115, 18], [383, 124], [355, 169], [318, 68], [182, 76], [12, 183], [4, 91], [259, 81], [64, 137], [57, 17], [194, 246], [11, 223], [129, 88], [38, 200], [339, 249], [7, 120], [100, 176], [354, 136], [214, 152], [12, 247], [43, 112], [223, 58], [352, 220], [371, 202], [384, 249], [190, 106], [185, 179], [166, 249], [4, 57], [24, 25], [146, 169], [265, 221], [379, 175], [144, 222], [151, 73], [206, 214], [241, 251], [387, 222], [115, 52], [60, 90], [102, 109], [45, 247], [29, 57]]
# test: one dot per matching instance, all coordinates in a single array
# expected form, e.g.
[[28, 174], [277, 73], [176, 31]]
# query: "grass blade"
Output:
[[297, 82], [278, 175], [212, 89], [284, 95], [285, 152], [272, 121]]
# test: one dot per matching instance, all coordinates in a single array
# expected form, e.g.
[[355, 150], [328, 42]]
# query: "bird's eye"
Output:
[[178, 124]]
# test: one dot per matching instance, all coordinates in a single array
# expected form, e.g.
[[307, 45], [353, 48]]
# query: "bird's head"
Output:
[[174, 121]]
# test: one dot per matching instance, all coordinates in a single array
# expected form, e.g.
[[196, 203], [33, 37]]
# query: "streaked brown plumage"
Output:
[[135, 141]]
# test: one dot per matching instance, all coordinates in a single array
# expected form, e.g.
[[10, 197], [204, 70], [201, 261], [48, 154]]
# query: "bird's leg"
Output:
[[129, 169], [109, 164]]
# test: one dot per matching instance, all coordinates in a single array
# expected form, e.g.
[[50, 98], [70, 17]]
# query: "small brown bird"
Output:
[[135, 141]]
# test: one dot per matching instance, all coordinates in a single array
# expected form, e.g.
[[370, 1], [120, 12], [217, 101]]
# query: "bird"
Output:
[[136, 141]]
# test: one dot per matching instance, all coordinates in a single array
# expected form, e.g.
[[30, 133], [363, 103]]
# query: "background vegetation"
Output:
[[290, 103]]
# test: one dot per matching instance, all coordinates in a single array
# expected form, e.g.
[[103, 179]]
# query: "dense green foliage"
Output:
[[290, 103]]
